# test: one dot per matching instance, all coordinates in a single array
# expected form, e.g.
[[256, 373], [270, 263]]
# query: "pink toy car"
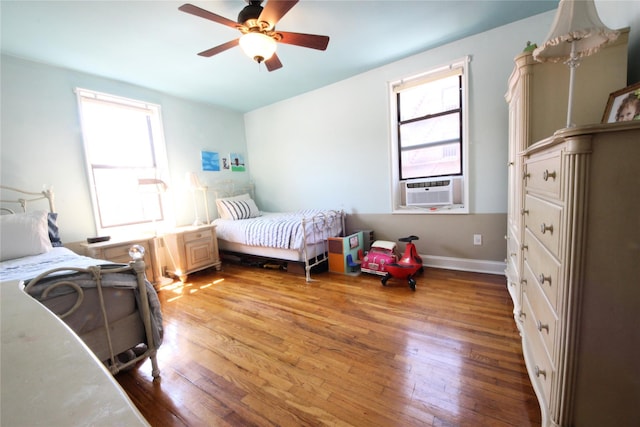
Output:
[[381, 254]]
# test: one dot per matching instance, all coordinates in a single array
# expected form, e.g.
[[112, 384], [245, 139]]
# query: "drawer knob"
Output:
[[546, 175], [540, 372], [542, 278], [544, 228], [542, 326]]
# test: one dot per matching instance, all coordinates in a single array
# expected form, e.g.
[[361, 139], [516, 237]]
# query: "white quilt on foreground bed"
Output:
[[30, 266], [279, 230]]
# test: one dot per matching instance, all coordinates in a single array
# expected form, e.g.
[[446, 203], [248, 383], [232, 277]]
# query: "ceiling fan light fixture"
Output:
[[258, 46]]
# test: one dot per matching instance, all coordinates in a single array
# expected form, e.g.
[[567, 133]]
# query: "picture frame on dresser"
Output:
[[623, 105]]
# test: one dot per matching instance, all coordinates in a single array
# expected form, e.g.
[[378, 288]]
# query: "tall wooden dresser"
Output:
[[580, 310], [573, 241]]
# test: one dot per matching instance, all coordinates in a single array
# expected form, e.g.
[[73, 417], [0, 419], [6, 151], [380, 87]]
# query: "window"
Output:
[[126, 161], [429, 143]]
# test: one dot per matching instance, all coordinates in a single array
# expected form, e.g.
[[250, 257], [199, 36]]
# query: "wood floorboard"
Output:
[[257, 347]]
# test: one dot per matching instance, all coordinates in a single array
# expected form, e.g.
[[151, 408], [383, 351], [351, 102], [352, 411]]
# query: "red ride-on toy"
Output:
[[407, 266]]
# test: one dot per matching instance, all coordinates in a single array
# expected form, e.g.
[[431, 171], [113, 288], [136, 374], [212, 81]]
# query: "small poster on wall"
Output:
[[210, 161], [237, 162]]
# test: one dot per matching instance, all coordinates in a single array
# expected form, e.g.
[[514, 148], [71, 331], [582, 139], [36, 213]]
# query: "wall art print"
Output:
[[237, 162], [210, 161]]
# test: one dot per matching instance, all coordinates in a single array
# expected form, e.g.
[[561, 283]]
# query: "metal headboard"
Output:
[[22, 198], [229, 188]]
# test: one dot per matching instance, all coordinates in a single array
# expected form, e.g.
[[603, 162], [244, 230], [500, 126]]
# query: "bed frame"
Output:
[[311, 255], [112, 337], [46, 194]]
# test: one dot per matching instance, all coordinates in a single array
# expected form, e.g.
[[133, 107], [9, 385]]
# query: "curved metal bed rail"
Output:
[[23, 201], [78, 289]]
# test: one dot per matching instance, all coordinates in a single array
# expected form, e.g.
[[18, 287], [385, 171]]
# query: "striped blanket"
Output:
[[285, 230]]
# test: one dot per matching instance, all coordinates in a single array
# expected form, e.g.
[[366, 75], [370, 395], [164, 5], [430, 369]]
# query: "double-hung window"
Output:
[[126, 162], [429, 139]]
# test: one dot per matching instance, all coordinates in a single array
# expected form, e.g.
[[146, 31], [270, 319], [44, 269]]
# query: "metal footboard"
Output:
[[316, 230], [102, 340]]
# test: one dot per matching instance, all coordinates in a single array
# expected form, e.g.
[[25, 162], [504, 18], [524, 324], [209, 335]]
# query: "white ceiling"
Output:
[[152, 44]]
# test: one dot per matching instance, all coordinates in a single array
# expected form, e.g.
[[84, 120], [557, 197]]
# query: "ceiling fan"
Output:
[[258, 27]]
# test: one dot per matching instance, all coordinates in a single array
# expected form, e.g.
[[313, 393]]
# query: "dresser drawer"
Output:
[[540, 366], [544, 267], [513, 252], [190, 236], [541, 313], [543, 219], [199, 253], [120, 253], [543, 173]]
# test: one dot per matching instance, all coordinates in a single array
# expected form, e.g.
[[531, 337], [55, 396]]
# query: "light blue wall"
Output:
[[330, 147], [42, 143], [327, 148]]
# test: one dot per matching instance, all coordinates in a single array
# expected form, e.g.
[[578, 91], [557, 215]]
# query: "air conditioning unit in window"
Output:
[[433, 191]]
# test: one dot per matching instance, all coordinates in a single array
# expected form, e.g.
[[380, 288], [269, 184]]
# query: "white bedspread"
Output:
[[30, 266], [281, 230]]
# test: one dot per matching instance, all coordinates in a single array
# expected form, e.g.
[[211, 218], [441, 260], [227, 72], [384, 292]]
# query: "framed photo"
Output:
[[354, 242], [623, 105]]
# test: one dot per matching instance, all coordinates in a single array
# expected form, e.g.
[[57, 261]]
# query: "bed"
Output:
[[112, 307], [298, 237]]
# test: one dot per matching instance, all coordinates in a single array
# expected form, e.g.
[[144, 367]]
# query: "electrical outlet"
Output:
[[477, 239]]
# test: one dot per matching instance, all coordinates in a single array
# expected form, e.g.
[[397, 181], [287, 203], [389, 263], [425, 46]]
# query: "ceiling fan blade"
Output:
[[274, 10], [195, 10], [312, 41], [273, 63], [221, 48]]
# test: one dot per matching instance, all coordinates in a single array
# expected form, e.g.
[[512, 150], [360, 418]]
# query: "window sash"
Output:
[[124, 151], [397, 185], [430, 134]]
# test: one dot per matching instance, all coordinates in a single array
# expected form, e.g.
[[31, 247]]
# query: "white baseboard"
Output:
[[463, 264]]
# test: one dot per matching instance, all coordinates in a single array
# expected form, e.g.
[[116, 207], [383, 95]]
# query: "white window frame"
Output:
[[462, 65], [155, 181]]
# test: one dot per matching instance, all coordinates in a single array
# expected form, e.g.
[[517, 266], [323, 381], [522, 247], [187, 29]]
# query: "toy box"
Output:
[[345, 249], [381, 254]]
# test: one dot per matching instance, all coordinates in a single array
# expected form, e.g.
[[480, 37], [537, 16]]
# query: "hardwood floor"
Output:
[[249, 346]]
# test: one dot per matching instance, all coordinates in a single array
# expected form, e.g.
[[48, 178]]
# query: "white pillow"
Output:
[[24, 234], [237, 207]]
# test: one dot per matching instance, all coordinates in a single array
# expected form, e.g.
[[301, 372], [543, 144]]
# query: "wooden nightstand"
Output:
[[191, 249], [118, 251]]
